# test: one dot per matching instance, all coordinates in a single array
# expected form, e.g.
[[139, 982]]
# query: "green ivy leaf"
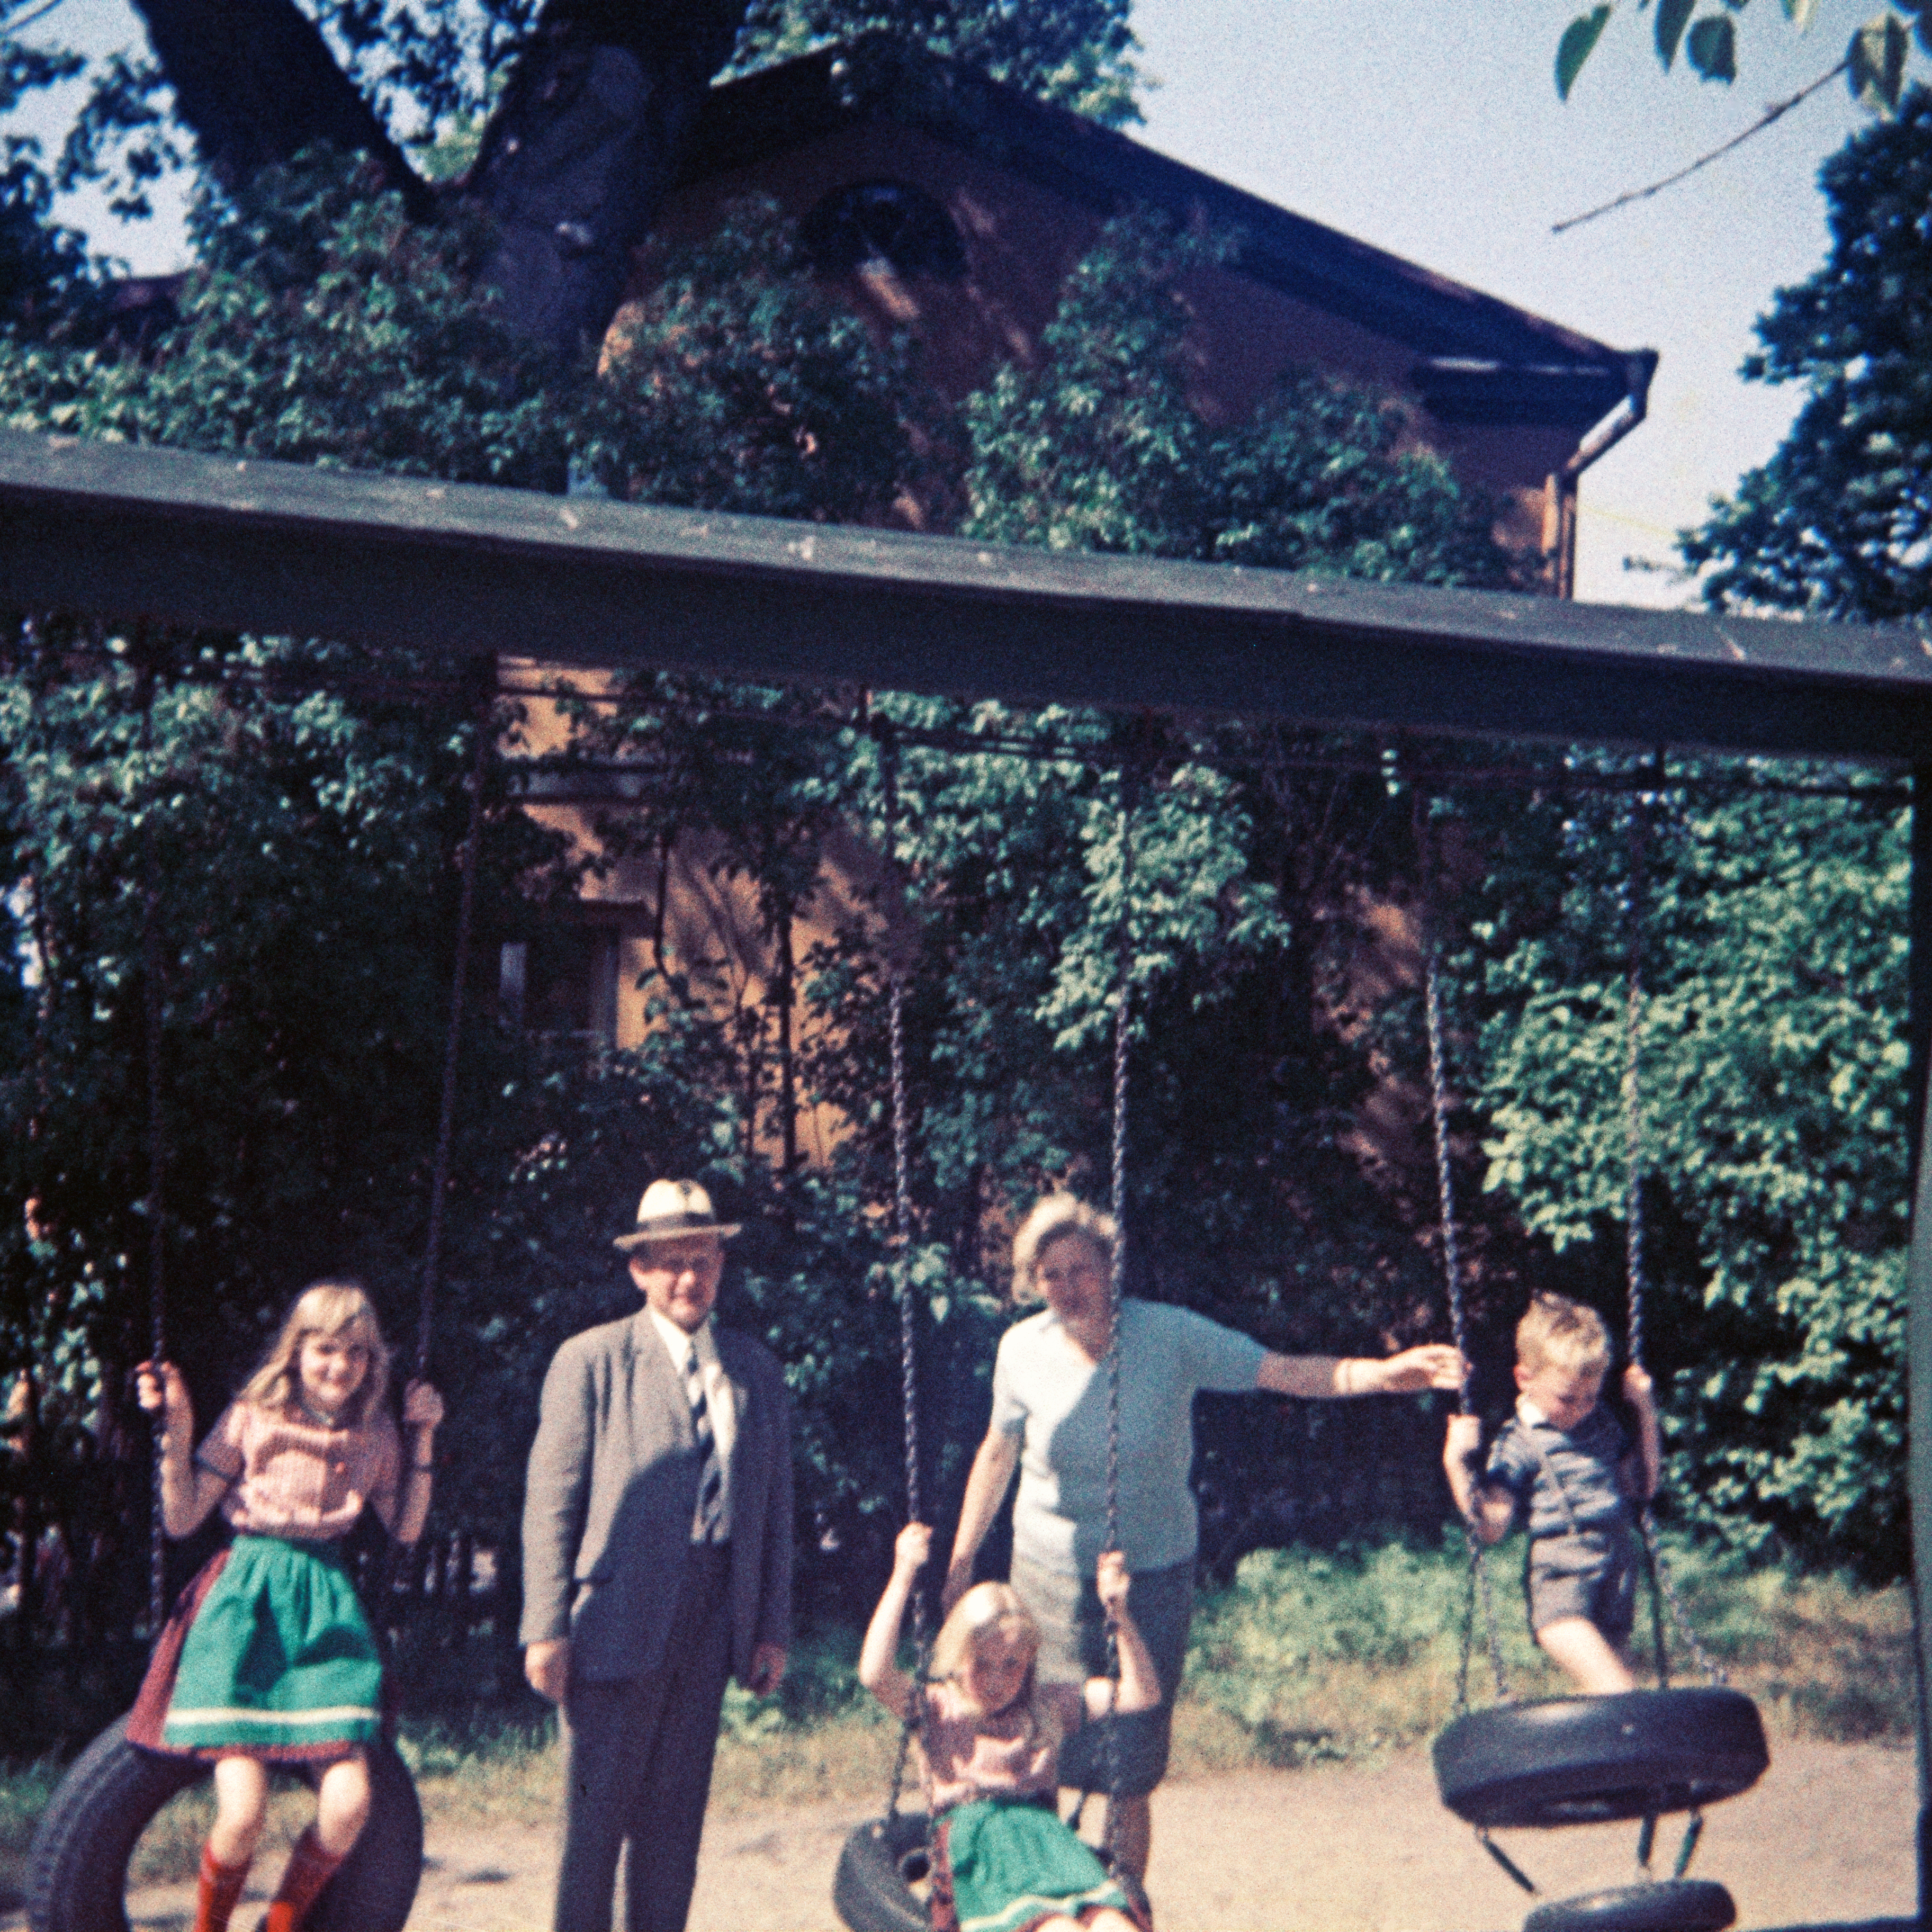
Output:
[[1800, 12], [1713, 48], [1672, 17], [1875, 69], [1580, 38]]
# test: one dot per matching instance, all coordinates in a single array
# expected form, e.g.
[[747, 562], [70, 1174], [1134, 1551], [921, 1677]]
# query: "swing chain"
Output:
[[152, 1020], [902, 1229], [445, 1129], [1637, 831], [1480, 1594], [1637, 827], [1117, 1282]]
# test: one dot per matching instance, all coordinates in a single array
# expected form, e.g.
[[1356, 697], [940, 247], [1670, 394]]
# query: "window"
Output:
[[882, 221], [562, 980]]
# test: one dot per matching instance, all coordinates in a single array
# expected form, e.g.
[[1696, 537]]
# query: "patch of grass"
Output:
[[1314, 1656]]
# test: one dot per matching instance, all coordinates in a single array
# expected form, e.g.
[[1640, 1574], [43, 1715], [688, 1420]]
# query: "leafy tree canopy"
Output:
[[1874, 62], [1838, 523]]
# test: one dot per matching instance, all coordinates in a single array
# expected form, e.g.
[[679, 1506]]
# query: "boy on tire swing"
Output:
[[1565, 1460]]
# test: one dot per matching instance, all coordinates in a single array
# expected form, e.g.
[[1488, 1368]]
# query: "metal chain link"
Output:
[[902, 1231], [1633, 896], [1637, 829], [446, 1127], [1480, 1591], [1117, 1275], [152, 1017]]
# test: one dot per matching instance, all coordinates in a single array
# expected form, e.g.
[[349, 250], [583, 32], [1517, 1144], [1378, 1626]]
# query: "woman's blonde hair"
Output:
[[330, 1308], [1054, 1216], [984, 1607]]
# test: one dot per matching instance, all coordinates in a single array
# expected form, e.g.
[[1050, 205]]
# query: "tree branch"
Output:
[[255, 82], [1777, 111]]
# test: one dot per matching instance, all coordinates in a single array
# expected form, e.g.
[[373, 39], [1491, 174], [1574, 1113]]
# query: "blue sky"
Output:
[[1432, 129]]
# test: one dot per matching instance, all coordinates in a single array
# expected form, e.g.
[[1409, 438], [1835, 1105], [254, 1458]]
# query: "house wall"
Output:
[[1022, 239]]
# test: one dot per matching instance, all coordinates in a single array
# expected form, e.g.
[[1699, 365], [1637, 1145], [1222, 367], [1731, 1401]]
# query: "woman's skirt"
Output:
[[279, 1661], [1006, 1867]]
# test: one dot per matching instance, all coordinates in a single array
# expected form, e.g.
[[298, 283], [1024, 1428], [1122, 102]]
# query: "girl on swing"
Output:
[[279, 1665], [991, 1733]]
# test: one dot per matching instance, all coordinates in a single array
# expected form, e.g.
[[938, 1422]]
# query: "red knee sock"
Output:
[[220, 1887], [310, 1869]]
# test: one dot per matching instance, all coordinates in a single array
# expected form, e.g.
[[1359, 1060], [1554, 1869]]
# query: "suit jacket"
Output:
[[612, 1486]]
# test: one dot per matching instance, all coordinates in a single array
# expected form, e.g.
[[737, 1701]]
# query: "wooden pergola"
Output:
[[128, 533]]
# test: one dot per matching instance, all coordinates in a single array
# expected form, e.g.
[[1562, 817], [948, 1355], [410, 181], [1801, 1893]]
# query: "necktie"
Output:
[[708, 1518]]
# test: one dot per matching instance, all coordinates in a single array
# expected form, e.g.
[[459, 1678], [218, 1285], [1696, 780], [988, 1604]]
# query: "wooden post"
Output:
[[1919, 1290]]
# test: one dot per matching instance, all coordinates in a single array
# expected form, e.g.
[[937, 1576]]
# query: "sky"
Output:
[[1432, 129]]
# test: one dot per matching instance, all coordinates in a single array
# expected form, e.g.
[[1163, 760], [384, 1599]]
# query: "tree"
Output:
[[583, 106], [1773, 1084], [1873, 64], [1838, 523], [1099, 446]]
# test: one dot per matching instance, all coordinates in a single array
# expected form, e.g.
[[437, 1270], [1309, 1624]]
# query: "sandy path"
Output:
[[1826, 1839]]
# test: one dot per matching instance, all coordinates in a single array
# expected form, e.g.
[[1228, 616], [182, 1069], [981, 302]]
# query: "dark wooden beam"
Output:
[[209, 541]]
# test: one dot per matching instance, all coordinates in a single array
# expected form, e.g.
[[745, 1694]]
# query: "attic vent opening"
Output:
[[885, 221]]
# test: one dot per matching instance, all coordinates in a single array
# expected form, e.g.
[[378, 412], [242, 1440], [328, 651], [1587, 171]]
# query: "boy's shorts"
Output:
[[1588, 1572]]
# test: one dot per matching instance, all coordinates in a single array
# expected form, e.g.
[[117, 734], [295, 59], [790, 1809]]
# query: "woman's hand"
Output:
[[911, 1550], [422, 1407], [158, 1386], [1111, 1582], [1434, 1365]]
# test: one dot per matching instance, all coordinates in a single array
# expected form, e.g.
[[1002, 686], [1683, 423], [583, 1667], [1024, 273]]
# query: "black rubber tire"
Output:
[[375, 1887], [1668, 1905], [77, 1867], [1583, 1760], [871, 1892]]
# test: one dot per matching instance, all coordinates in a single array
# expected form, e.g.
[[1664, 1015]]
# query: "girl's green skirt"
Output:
[[1002, 1868], [279, 1657]]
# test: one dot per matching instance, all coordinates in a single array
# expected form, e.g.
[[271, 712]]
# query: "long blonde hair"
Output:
[[331, 1307], [986, 1607]]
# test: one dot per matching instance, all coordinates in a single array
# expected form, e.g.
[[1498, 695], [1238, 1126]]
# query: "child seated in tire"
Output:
[[279, 1665], [990, 1733], [1566, 1461]]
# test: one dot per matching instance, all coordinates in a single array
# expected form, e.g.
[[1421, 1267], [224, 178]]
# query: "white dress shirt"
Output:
[[719, 1405]]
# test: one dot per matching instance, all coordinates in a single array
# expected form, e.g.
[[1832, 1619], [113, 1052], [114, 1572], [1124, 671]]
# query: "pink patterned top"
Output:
[[289, 1477], [1014, 1754]]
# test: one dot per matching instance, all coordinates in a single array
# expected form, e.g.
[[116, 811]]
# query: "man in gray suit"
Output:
[[657, 1562]]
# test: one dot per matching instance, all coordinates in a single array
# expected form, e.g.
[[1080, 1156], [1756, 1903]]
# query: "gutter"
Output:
[[1559, 495]]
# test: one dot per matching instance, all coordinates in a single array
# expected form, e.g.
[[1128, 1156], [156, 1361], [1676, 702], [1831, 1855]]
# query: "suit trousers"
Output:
[[638, 1765]]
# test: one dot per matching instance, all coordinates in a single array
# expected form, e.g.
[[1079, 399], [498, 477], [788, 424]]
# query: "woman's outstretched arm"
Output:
[[1434, 1365]]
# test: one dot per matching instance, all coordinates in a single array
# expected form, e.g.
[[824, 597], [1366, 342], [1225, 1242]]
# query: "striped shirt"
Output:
[[291, 1477]]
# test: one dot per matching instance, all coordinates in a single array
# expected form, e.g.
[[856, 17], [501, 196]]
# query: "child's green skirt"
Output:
[[1002, 1868], [279, 1657]]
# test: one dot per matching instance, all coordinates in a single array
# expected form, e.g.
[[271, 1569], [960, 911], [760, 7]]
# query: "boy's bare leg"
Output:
[[1589, 1657]]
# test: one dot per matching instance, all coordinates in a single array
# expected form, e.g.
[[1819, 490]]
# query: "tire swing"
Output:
[[76, 1875], [1641, 1754], [886, 1863]]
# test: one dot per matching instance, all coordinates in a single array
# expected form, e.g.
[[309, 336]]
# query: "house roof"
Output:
[[1478, 359]]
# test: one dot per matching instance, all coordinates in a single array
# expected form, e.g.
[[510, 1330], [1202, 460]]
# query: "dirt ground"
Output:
[[1825, 1839]]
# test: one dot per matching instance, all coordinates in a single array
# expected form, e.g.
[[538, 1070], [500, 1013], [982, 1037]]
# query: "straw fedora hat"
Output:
[[673, 1208]]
